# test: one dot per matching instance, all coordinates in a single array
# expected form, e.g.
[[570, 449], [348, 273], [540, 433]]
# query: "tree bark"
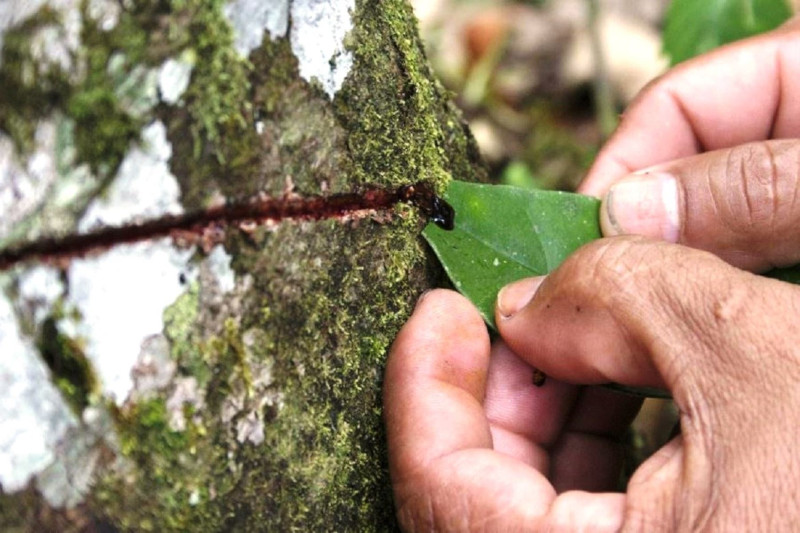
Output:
[[227, 379]]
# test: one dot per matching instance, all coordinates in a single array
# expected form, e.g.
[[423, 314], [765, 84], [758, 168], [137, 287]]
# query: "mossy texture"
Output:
[[283, 429]]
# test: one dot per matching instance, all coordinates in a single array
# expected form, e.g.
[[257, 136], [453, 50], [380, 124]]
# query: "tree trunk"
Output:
[[226, 378]]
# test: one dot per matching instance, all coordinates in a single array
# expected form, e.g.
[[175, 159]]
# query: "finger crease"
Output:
[[778, 93], [773, 183], [699, 145]]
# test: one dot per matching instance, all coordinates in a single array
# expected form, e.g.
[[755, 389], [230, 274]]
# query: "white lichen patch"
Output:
[[35, 418], [186, 392], [317, 35], [250, 428], [174, 76], [24, 185], [220, 290], [56, 45], [318, 30], [39, 287], [67, 480], [136, 89], [250, 18], [154, 368], [144, 186], [104, 12], [15, 12], [43, 192], [219, 263], [121, 296], [53, 45], [245, 406]]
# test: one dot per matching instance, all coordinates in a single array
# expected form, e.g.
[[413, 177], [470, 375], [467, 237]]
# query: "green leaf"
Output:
[[504, 233], [787, 274], [696, 26]]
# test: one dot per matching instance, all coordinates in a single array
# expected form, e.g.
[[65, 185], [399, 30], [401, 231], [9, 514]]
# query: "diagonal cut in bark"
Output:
[[260, 210]]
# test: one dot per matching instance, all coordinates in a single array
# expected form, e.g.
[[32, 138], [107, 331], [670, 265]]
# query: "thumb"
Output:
[[645, 313], [739, 203]]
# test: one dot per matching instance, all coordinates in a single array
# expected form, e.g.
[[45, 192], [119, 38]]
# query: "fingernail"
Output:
[[515, 296], [642, 204]]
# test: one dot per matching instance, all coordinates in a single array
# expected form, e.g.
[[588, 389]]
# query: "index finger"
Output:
[[744, 92], [445, 474], [435, 382]]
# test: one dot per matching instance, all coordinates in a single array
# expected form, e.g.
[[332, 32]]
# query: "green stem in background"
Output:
[[605, 108]]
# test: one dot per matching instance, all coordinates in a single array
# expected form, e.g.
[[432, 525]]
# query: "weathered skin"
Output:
[[257, 407]]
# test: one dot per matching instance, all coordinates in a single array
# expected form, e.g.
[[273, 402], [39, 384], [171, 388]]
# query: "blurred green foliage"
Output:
[[518, 174], [696, 26]]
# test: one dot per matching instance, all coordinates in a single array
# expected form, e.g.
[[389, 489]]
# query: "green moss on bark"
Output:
[[330, 297], [87, 92], [284, 431], [28, 91], [71, 371], [162, 480]]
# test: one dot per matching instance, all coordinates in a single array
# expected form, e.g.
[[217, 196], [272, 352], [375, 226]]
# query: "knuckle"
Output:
[[690, 297], [752, 184], [616, 269], [415, 510], [429, 501], [645, 520], [639, 280]]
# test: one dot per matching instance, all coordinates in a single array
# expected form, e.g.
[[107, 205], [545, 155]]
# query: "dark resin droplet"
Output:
[[421, 195], [443, 214]]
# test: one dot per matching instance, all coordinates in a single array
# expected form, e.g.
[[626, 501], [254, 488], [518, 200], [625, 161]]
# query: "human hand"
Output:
[[474, 445], [710, 153], [723, 341]]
